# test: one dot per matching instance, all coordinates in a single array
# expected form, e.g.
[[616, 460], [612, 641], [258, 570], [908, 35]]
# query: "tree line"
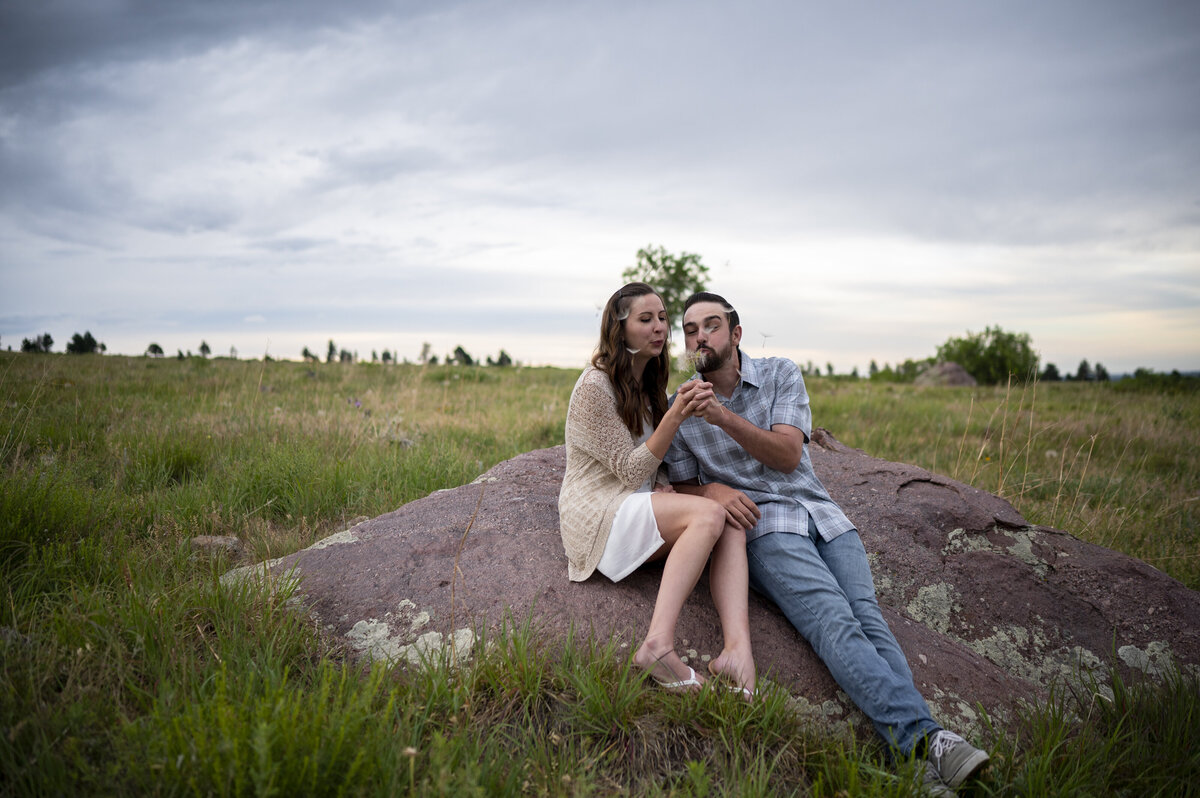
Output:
[[460, 356]]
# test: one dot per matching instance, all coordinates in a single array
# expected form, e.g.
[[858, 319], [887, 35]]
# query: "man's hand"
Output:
[[739, 510], [693, 394], [710, 409]]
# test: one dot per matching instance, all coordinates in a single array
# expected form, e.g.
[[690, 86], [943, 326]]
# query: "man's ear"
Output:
[[736, 336]]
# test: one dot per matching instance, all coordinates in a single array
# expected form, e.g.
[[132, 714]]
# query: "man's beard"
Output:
[[709, 360]]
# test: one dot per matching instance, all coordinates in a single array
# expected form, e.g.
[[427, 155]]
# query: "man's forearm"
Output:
[[776, 450]]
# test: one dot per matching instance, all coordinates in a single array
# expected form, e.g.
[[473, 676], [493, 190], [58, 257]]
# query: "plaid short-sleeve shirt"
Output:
[[771, 391]]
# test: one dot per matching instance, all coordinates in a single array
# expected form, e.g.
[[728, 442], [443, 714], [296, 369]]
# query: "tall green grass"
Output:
[[1113, 467], [128, 668]]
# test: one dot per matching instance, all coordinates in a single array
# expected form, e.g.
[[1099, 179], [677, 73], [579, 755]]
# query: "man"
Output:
[[747, 451]]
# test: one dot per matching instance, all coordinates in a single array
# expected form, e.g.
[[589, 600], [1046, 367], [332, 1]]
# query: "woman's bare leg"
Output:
[[729, 581], [690, 526]]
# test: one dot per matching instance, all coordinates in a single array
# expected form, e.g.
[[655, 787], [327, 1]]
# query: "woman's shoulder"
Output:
[[594, 376]]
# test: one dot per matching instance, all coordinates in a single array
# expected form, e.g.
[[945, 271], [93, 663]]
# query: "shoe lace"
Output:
[[943, 741]]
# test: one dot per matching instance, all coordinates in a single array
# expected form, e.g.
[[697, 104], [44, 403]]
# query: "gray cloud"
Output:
[[465, 148]]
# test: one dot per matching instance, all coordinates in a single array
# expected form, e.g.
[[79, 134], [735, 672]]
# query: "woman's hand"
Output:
[[693, 397]]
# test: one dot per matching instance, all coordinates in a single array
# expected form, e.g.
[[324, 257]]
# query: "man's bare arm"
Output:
[[739, 509], [780, 447]]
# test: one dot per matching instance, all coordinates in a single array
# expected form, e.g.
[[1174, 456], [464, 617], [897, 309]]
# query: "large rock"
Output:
[[944, 374], [988, 608]]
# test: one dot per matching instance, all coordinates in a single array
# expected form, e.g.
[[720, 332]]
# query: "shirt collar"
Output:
[[751, 371]]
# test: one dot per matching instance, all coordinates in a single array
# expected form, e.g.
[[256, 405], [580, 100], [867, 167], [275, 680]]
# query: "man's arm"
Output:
[[739, 510], [780, 447]]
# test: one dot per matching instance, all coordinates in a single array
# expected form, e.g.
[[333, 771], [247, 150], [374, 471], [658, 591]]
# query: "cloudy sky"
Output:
[[864, 179]]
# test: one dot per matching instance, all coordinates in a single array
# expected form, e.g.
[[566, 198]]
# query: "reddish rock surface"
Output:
[[988, 608]]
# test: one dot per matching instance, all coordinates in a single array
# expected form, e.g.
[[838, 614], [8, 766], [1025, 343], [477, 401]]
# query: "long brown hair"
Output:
[[614, 360]]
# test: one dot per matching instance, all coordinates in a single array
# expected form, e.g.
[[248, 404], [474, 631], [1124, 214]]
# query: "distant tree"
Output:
[[1101, 373], [332, 354], [204, 350], [674, 277], [854, 372], [83, 344], [154, 350], [503, 359], [992, 355], [39, 343], [872, 370], [462, 358], [386, 357], [374, 356], [423, 358], [1050, 373], [308, 356], [233, 351], [179, 354], [433, 361], [344, 356], [829, 369], [1084, 372]]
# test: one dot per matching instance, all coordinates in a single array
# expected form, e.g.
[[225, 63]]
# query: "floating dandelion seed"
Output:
[[694, 359]]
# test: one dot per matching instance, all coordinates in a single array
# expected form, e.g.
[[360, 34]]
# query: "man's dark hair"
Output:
[[731, 315]]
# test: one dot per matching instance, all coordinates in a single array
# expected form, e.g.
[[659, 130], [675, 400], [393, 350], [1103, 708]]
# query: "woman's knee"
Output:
[[709, 518], [715, 517]]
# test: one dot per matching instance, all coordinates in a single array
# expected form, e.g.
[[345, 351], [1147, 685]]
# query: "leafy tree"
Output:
[[992, 355], [1050, 374], [83, 344], [503, 359], [154, 350], [39, 343], [344, 356], [462, 358], [674, 277], [204, 350], [386, 357], [308, 356]]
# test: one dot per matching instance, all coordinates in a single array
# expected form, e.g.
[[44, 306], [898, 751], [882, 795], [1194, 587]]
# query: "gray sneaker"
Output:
[[953, 758]]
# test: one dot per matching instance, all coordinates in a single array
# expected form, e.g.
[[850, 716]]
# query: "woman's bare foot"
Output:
[[737, 667], [665, 666]]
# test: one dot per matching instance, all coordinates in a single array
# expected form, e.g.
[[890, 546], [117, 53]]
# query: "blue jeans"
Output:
[[826, 591]]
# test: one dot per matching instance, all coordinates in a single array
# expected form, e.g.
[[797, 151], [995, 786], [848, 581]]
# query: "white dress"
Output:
[[634, 536]]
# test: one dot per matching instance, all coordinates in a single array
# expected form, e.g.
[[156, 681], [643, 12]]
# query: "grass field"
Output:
[[127, 668]]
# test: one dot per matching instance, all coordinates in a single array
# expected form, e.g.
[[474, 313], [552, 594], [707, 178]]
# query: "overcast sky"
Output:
[[864, 180]]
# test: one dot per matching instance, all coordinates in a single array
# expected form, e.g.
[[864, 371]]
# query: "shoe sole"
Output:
[[973, 765]]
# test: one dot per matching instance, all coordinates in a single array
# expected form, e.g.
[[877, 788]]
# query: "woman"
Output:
[[616, 511]]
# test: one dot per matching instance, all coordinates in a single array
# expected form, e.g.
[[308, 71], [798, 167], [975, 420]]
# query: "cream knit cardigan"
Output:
[[605, 464]]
